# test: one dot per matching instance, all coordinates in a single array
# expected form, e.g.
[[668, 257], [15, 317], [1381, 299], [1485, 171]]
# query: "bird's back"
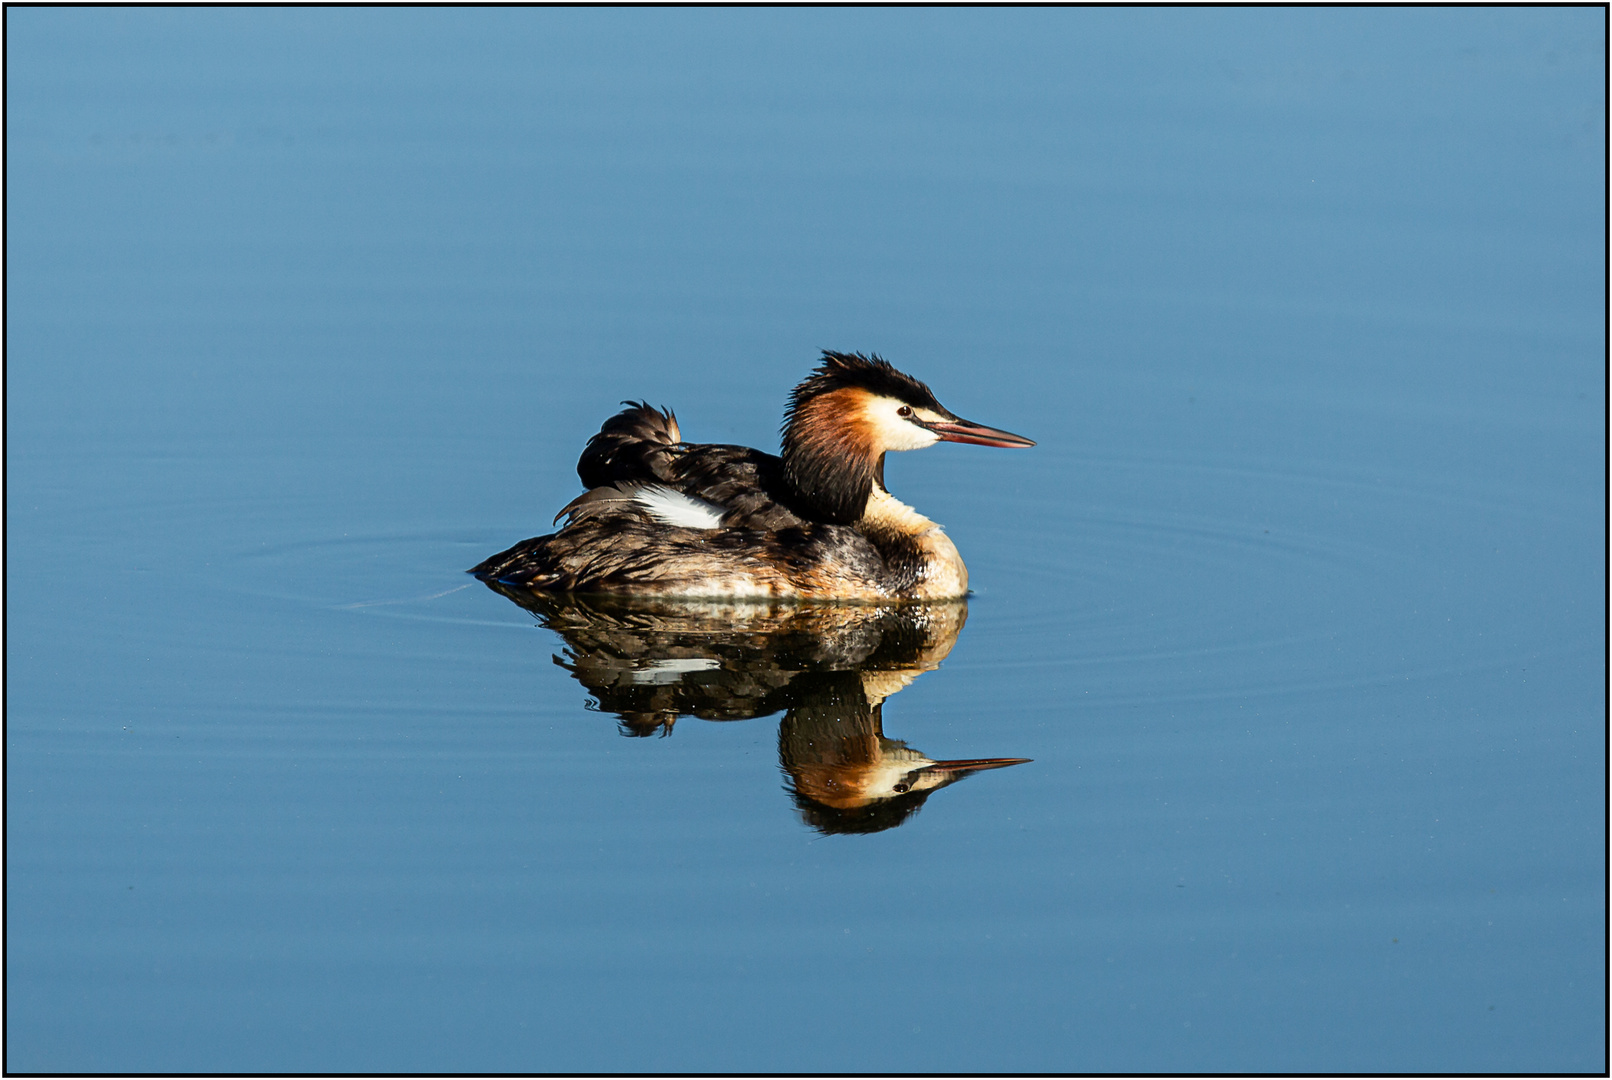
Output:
[[638, 443], [734, 535], [641, 446]]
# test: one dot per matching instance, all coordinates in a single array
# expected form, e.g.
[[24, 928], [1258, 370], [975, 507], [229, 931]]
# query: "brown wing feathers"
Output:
[[642, 445], [638, 443]]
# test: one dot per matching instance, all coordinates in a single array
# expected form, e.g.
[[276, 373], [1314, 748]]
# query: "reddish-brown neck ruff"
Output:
[[831, 455]]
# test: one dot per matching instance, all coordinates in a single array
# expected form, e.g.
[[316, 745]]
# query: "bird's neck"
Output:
[[837, 472], [832, 465]]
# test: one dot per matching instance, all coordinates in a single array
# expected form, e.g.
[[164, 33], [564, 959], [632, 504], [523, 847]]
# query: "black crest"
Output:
[[841, 370]]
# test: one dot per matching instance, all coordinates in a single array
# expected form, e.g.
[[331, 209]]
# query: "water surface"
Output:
[[1298, 606]]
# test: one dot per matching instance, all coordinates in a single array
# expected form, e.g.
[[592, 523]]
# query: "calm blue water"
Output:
[[1299, 605]]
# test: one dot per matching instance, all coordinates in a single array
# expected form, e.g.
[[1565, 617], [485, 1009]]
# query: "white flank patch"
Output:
[[676, 509]]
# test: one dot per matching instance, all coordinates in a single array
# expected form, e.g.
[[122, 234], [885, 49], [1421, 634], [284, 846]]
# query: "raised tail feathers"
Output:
[[638, 443]]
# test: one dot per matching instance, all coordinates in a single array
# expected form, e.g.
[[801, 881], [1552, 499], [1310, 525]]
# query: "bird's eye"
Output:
[[905, 410], [900, 788]]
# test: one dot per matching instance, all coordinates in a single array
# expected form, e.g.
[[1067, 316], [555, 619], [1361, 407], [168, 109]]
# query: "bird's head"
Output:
[[848, 414]]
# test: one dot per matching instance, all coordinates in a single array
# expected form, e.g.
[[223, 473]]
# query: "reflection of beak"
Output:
[[938, 774], [962, 768], [966, 431]]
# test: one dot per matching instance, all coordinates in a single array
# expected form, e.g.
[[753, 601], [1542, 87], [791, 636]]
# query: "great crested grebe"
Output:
[[662, 517]]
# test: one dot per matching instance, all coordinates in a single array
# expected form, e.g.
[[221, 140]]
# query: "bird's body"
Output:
[[662, 517]]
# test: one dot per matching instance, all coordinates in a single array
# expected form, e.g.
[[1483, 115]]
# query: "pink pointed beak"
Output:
[[965, 431]]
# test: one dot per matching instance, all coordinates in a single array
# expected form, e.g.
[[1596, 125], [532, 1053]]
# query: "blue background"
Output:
[[1299, 605]]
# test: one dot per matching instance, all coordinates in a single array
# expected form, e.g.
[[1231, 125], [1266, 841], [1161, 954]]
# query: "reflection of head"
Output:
[[844, 775], [874, 817]]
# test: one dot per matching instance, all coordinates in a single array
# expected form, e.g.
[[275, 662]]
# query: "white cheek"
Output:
[[896, 433], [915, 438], [881, 780]]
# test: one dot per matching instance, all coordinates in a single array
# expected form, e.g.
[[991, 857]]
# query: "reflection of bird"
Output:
[[662, 517], [651, 660], [827, 667]]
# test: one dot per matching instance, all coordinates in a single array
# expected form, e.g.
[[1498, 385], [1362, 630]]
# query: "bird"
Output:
[[665, 518]]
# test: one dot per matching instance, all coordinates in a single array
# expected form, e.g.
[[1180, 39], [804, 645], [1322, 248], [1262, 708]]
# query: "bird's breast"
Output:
[[943, 576], [918, 551]]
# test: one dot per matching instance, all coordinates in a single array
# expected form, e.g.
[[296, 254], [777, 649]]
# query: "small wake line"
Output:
[[405, 600]]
